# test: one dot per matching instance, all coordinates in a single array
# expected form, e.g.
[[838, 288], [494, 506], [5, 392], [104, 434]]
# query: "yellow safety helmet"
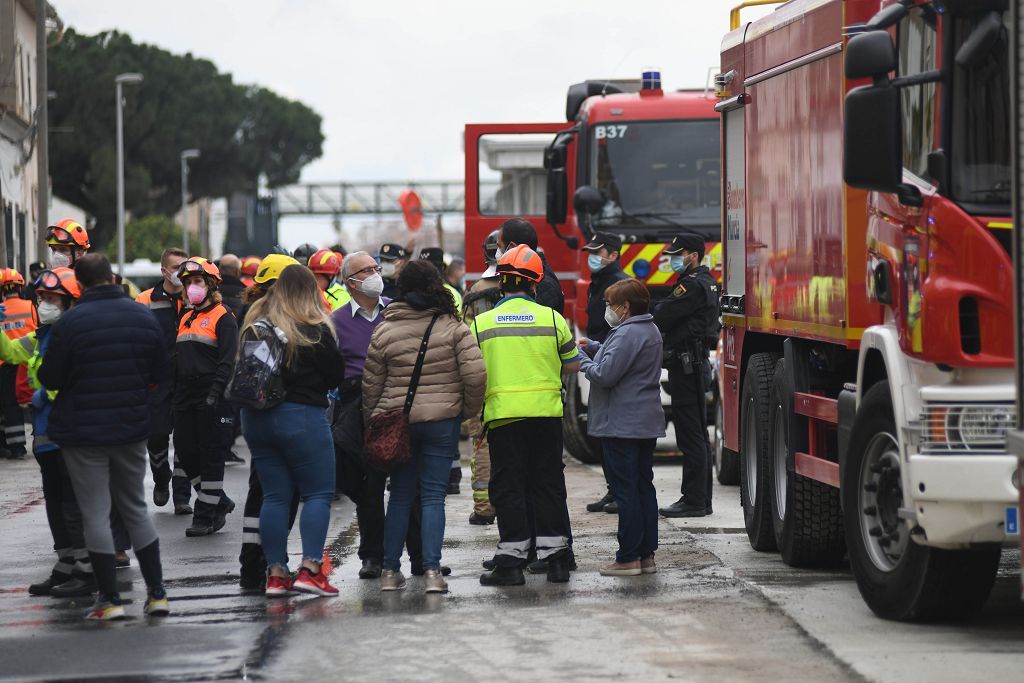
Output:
[[271, 267]]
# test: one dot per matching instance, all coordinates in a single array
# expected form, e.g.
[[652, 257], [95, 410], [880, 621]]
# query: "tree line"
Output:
[[243, 131]]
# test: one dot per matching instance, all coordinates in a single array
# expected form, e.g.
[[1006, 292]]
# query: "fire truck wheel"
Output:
[[727, 462], [574, 425], [898, 577], [806, 517], [754, 460]]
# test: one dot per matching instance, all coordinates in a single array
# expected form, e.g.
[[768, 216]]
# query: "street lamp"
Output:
[[185, 156], [120, 80]]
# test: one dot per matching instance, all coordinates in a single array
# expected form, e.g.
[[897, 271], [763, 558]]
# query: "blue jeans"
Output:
[[291, 446], [630, 467], [433, 444]]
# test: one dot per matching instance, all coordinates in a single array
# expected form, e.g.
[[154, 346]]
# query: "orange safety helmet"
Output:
[[59, 281], [325, 262], [9, 277], [68, 233], [522, 262], [197, 265], [251, 265]]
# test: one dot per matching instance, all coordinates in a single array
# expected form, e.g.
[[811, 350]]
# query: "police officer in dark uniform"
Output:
[[688, 319], [603, 263], [392, 257]]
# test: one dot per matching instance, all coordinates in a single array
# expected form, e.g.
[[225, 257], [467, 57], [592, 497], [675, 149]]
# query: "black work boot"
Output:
[[52, 581], [681, 508], [224, 508], [162, 486], [202, 520], [79, 586], [599, 505], [503, 576], [371, 568], [454, 479], [558, 570]]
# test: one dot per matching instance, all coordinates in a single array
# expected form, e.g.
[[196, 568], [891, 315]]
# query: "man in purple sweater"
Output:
[[355, 323]]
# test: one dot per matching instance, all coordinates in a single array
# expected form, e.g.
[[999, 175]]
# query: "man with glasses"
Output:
[[355, 323]]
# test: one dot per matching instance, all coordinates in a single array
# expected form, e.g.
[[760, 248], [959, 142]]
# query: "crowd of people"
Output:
[[348, 338]]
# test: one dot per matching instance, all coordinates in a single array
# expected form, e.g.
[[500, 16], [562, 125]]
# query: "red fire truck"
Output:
[[636, 160], [867, 378]]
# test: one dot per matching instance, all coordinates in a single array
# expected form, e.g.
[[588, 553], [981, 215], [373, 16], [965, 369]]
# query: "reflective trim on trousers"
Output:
[[178, 472], [251, 537], [158, 458], [549, 545], [207, 498], [211, 485], [516, 549]]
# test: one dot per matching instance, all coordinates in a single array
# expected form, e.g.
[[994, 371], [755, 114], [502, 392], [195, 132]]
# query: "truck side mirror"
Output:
[[587, 200], [870, 55], [872, 144], [558, 188]]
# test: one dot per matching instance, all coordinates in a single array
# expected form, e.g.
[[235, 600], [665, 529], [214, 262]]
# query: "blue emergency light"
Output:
[[651, 80], [641, 267]]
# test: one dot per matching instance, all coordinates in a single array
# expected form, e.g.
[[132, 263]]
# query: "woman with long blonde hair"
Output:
[[291, 443]]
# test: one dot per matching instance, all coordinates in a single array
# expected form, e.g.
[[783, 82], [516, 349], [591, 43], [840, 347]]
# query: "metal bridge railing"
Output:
[[366, 198]]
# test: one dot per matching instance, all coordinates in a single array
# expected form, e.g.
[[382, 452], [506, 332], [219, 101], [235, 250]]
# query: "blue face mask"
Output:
[[678, 264], [595, 263]]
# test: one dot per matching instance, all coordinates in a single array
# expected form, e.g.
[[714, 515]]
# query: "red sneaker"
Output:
[[279, 587], [314, 584]]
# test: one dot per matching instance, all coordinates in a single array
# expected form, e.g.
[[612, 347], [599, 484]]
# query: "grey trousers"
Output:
[[100, 474]]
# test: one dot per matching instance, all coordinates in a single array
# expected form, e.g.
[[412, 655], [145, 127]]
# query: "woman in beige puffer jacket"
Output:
[[451, 387]]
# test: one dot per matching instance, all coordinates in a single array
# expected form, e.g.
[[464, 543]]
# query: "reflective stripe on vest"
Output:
[[519, 343], [203, 328], [20, 319]]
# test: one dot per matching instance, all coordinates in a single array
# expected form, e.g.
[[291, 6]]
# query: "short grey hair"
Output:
[[346, 273], [230, 265]]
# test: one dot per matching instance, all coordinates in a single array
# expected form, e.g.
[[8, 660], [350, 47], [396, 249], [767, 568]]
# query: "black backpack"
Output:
[[256, 381]]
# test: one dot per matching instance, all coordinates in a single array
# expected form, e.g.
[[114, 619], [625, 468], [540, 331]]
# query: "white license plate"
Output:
[[1012, 520]]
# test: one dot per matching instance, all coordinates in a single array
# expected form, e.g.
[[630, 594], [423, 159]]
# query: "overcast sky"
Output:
[[396, 80]]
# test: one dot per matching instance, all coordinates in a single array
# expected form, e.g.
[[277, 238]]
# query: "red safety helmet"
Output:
[[251, 265], [9, 277], [59, 281], [68, 233], [197, 265], [325, 262], [522, 262]]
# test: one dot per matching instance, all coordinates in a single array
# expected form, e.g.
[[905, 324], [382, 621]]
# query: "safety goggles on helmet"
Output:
[[68, 233], [198, 266], [60, 281]]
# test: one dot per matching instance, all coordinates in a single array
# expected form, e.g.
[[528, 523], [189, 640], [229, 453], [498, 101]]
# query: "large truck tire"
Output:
[[574, 425], [727, 462], [754, 460], [807, 518], [899, 578]]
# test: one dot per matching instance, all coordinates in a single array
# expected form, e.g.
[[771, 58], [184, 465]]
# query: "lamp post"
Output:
[[185, 156], [119, 81]]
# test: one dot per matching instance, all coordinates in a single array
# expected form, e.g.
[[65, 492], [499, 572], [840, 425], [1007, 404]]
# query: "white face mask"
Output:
[[173, 280], [611, 317], [59, 259], [498, 254], [387, 269], [371, 286], [48, 312]]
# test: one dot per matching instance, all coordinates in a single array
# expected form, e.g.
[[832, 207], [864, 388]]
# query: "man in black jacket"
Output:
[[603, 263], [517, 231], [104, 355], [231, 286]]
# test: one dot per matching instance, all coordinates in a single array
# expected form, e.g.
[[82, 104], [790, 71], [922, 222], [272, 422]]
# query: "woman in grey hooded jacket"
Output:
[[625, 412]]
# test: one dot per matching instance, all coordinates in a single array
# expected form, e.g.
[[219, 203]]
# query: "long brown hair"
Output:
[[293, 301]]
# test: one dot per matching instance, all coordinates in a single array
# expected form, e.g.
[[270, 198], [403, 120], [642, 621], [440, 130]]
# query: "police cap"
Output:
[[686, 241], [392, 252], [604, 240], [433, 254]]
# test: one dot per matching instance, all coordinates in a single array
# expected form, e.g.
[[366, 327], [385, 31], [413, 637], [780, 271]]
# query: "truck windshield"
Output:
[[980, 158], [657, 175]]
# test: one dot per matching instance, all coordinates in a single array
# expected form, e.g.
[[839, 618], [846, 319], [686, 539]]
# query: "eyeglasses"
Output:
[[368, 269]]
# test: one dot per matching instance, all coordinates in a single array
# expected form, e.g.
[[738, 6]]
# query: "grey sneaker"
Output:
[[392, 580], [434, 581]]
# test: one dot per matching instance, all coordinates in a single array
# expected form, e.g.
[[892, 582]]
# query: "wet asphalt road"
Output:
[[716, 610]]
